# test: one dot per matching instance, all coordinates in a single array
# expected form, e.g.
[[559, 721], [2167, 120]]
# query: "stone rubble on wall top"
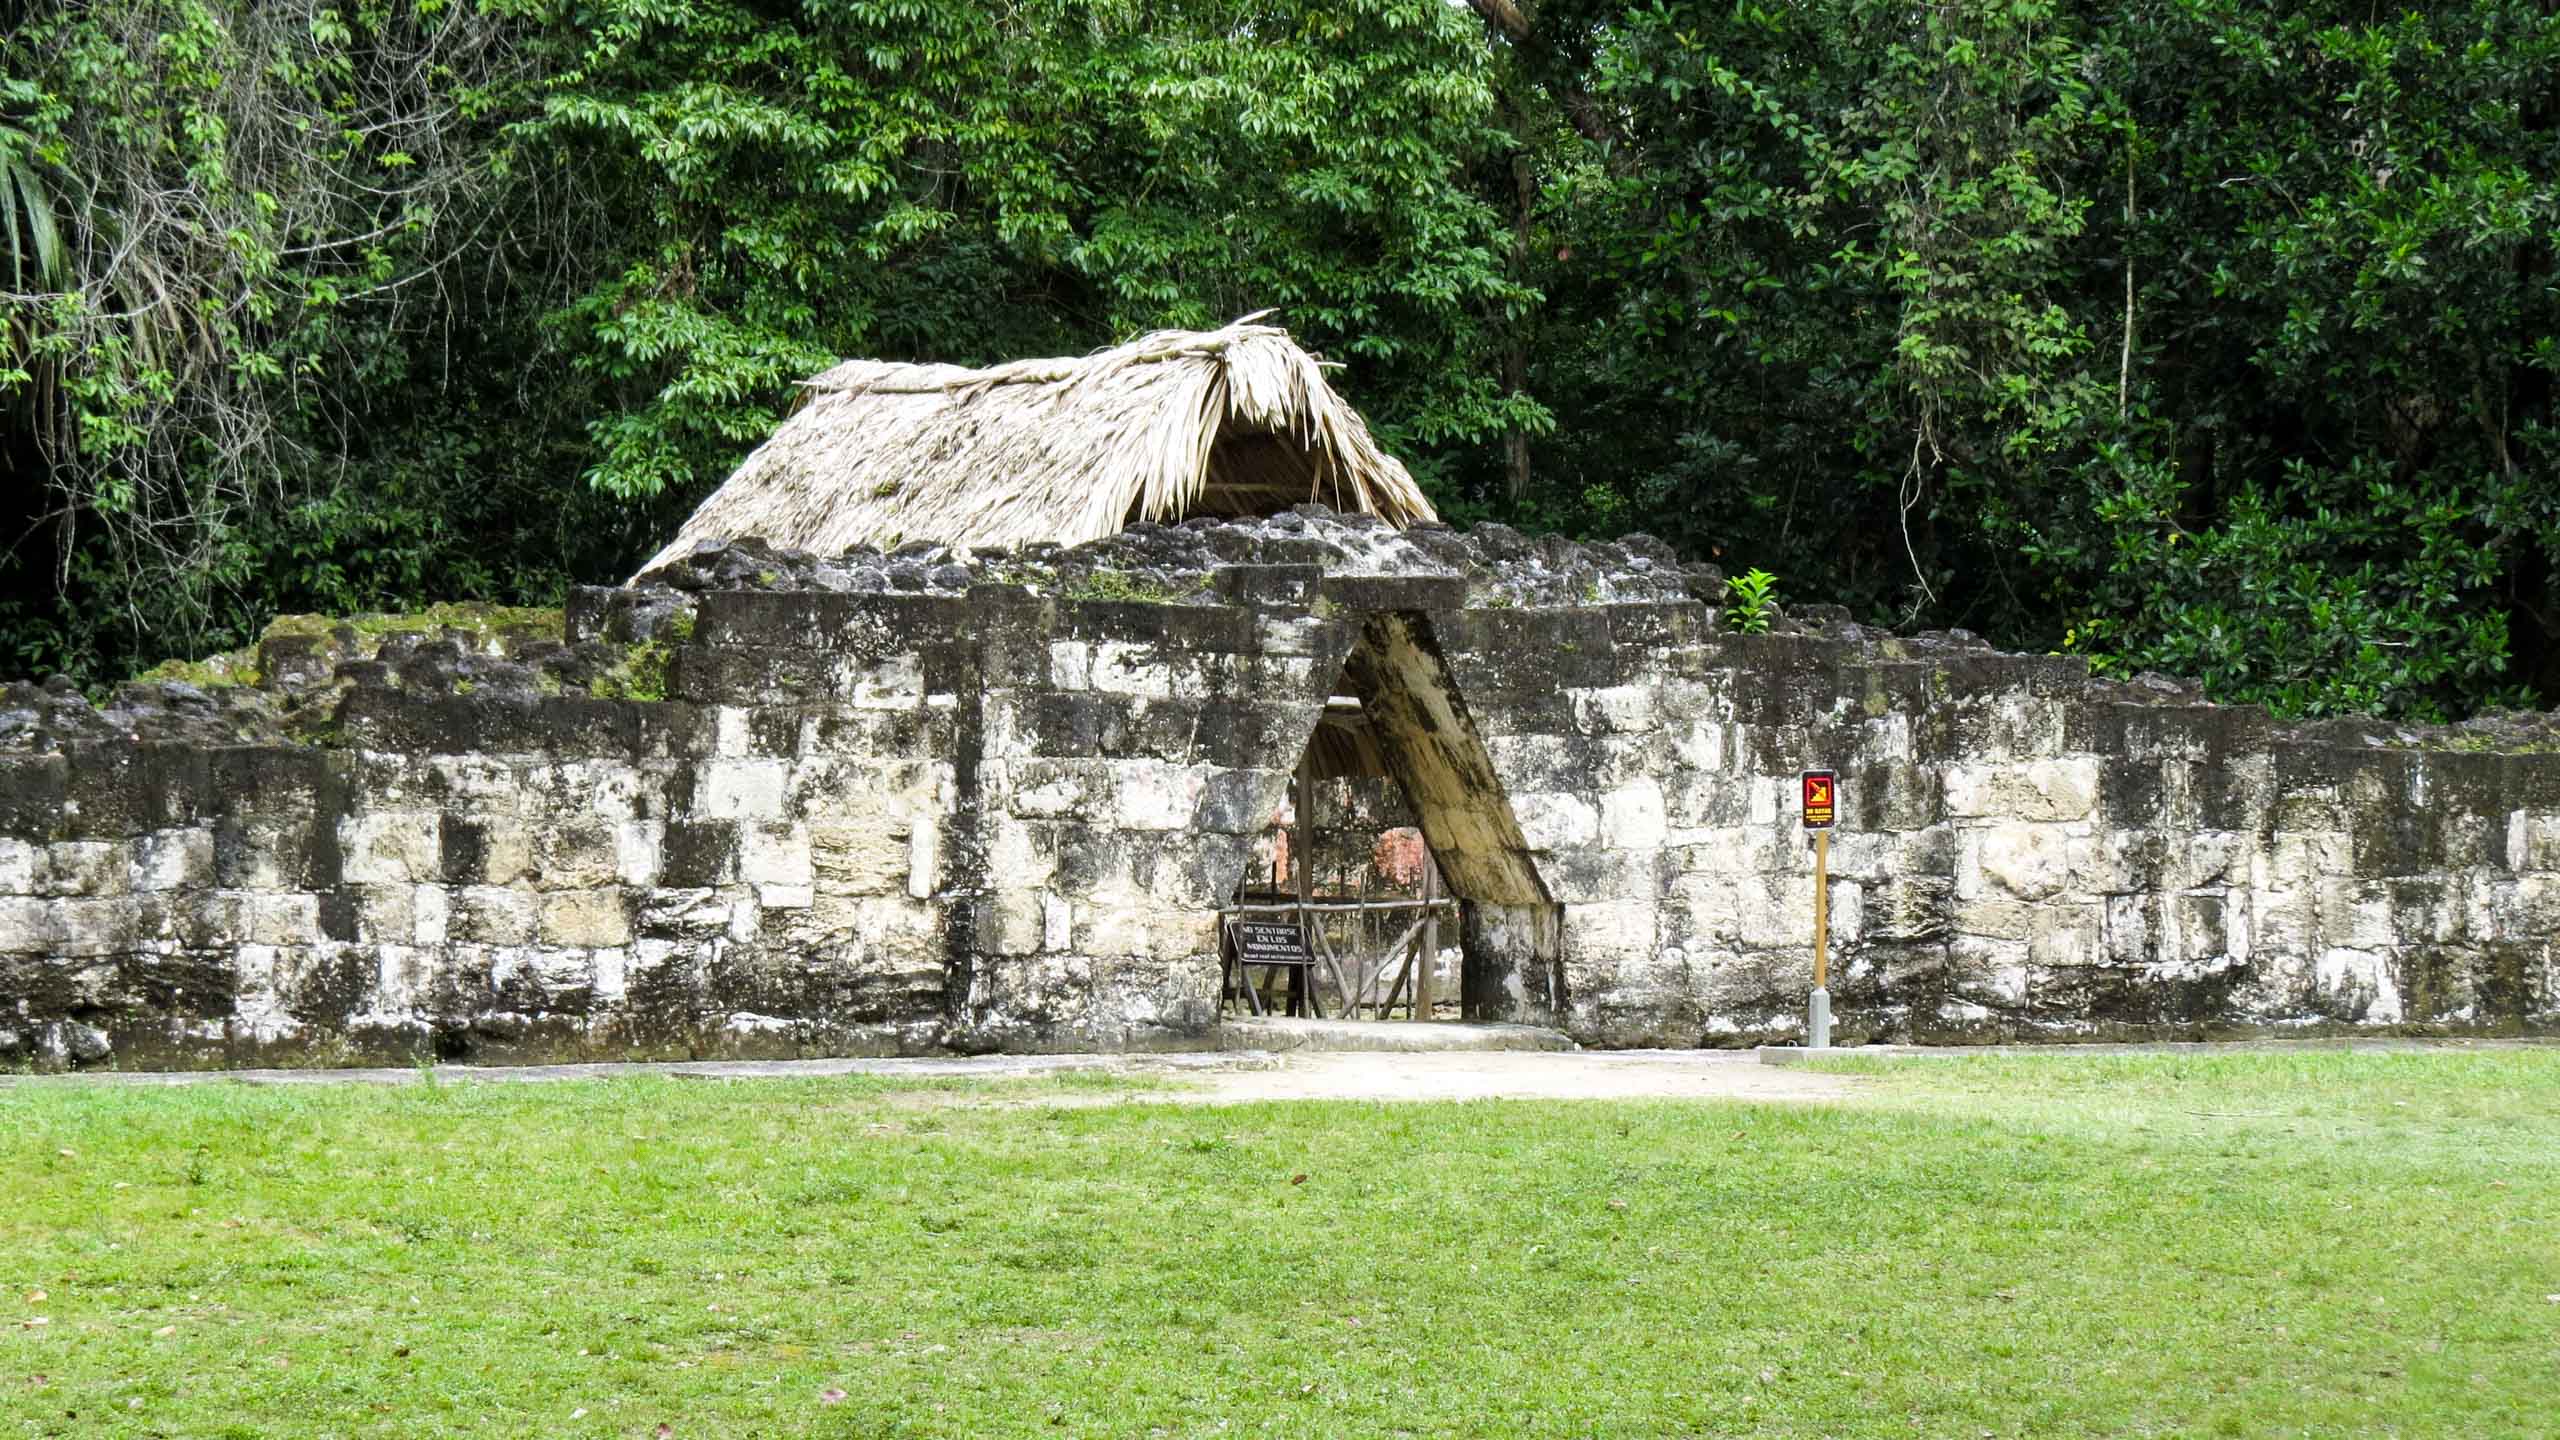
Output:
[[305, 666]]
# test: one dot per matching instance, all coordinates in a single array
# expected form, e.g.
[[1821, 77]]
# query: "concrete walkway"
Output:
[[1320, 1063], [1282, 1032], [1324, 1060], [1790, 1055]]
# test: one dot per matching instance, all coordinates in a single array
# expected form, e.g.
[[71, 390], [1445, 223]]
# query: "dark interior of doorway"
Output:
[[1396, 744]]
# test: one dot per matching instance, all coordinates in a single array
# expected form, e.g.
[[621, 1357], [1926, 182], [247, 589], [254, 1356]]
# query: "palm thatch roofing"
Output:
[[1175, 424]]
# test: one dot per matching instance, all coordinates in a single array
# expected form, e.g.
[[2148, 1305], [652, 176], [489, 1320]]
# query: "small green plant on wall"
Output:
[[1751, 600]]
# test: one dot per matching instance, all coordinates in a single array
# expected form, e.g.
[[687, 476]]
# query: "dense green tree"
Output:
[[2205, 335], [970, 183], [2210, 335]]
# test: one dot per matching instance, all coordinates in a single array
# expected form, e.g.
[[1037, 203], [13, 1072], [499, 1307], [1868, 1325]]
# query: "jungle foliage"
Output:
[[2212, 336]]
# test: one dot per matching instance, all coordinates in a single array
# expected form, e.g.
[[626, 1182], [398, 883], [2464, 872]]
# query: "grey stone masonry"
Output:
[[764, 804]]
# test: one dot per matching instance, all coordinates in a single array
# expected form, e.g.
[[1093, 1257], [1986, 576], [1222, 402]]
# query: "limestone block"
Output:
[[2313, 810], [2302, 857], [1155, 794], [288, 919], [1774, 912], [2356, 984], [2354, 915], [1122, 668], [1766, 795], [2116, 862], [1551, 821], [924, 861], [1631, 816], [2027, 861], [1624, 929], [1914, 796], [1703, 801], [1054, 789], [85, 867], [743, 790], [1112, 929], [1996, 919], [2065, 936], [1848, 911], [785, 897], [2129, 929], [2016, 725], [2533, 840], [1859, 854], [605, 790], [1613, 710], [639, 852], [892, 682], [1739, 850], [2425, 909], [92, 925], [1701, 745], [1181, 934], [1284, 636], [393, 849], [17, 867], [386, 914], [858, 859], [2203, 858], [477, 781], [2029, 790], [432, 905], [1014, 923], [1016, 856], [508, 854], [1587, 874], [173, 860], [26, 925], [2283, 922], [731, 737], [776, 855], [1070, 665], [576, 857], [1886, 740], [693, 915], [585, 919], [611, 976], [543, 973], [1986, 971]]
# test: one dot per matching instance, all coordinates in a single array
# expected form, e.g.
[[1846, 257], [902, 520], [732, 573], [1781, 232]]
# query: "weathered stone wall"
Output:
[[765, 804]]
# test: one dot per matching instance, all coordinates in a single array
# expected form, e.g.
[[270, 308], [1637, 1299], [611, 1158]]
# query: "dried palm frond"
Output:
[[1178, 423]]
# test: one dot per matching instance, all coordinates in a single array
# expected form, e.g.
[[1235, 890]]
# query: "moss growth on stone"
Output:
[[232, 667], [1130, 588], [644, 672], [471, 617]]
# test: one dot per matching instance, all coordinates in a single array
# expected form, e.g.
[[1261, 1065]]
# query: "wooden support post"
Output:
[[1430, 953], [1303, 850], [1821, 909]]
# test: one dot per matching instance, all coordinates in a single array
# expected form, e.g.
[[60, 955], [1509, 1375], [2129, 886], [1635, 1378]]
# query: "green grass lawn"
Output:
[[2322, 1244]]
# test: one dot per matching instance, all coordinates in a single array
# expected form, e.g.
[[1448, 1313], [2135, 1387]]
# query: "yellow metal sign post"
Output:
[[1821, 803]]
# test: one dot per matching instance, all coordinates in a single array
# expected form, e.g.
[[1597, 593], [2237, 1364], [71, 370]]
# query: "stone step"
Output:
[[1284, 1033]]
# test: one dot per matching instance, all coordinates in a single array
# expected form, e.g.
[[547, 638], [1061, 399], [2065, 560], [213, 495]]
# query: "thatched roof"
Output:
[[1179, 423]]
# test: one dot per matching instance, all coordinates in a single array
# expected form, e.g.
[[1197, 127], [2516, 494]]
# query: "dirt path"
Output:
[[1462, 1075], [1197, 1078]]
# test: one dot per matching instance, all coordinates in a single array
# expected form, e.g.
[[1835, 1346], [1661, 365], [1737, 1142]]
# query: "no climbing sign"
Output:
[[1821, 792], [1821, 803]]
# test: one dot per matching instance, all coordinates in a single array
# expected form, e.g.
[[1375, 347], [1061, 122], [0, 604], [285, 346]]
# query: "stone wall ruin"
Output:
[[765, 804]]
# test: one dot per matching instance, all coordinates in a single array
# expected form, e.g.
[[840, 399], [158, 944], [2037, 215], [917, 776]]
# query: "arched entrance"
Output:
[[1396, 730]]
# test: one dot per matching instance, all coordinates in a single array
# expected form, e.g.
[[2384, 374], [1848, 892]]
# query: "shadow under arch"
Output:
[[1510, 928]]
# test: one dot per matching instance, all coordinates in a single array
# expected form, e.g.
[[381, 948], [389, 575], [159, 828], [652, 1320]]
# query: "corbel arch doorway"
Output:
[[1395, 715]]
